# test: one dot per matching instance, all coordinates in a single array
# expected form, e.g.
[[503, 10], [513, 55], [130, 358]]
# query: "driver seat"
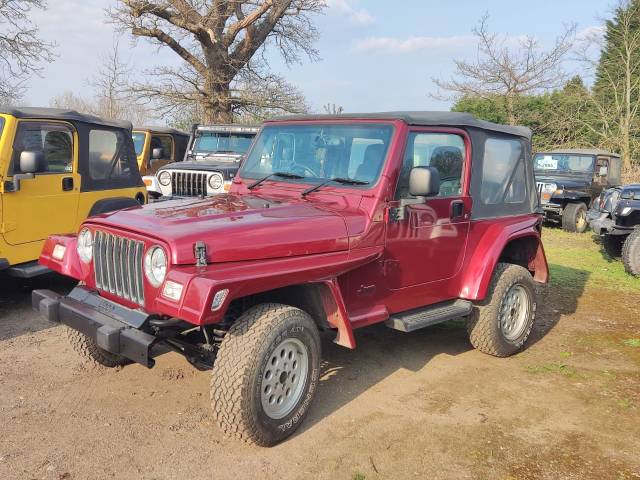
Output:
[[370, 166]]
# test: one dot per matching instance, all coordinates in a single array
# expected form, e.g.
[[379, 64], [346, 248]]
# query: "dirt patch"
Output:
[[420, 405]]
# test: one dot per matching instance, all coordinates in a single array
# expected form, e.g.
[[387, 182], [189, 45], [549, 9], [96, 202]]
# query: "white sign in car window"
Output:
[[547, 163]]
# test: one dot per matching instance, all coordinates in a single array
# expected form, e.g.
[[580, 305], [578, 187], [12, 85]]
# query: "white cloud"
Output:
[[596, 31], [411, 44], [357, 16]]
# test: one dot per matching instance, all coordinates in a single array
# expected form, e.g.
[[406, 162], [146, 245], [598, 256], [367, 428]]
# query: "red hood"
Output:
[[235, 228]]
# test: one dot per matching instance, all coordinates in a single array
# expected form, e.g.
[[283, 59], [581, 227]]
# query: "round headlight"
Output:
[[215, 181], [155, 265], [85, 245], [164, 178]]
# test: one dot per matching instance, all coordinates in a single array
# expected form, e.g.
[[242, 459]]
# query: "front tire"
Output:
[[631, 253], [266, 374], [89, 349], [502, 323], [574, 218]]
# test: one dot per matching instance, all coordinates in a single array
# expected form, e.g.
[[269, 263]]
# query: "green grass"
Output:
[[632, 342], [577, 261]]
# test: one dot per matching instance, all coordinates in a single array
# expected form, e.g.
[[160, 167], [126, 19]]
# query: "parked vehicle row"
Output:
[[569, 180], [332, 223], [57, 167]]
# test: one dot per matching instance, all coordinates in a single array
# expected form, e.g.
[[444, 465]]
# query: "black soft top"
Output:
[[167, 130], [62, 114], [431, 119]]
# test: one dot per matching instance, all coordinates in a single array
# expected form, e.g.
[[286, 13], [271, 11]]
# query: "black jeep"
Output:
[[569, 180], [615, 216]]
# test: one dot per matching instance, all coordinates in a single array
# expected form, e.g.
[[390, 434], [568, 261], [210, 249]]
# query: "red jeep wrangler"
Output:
[[333, 223]]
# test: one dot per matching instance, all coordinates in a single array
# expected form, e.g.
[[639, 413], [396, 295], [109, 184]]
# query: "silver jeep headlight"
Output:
[[155, 265], [164, 178], [85, 245], [216, 181]]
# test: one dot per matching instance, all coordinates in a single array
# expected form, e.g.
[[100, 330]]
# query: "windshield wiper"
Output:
[[344, 181], [275, 174]]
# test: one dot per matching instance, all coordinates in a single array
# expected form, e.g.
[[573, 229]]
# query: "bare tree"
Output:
[[615, 99], [333, 109], [21, 49], [112, 98], [508, 71], [222, 44]]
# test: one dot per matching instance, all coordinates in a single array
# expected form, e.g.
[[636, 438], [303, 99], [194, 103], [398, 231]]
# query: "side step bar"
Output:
[[425, 317]]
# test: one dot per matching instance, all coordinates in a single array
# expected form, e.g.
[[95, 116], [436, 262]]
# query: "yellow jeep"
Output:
[[57, 167], [157, 146]]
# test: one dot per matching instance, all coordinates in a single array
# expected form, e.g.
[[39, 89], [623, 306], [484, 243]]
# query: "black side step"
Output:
[[425, 317]]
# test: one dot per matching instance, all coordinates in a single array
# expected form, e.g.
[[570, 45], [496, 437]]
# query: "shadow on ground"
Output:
[[559, 298], [16, 317]]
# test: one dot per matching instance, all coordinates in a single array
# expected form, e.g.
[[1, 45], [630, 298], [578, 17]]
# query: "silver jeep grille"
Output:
[[117, 263], [188, 184]]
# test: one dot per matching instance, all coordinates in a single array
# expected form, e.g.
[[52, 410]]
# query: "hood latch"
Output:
[[200, 252]]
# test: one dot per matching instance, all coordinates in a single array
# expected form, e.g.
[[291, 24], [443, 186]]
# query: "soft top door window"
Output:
[[503, 172], [53, 140], [107, 159], [443, 151]]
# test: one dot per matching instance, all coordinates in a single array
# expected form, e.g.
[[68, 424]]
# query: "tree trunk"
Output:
[[511, 114], [216, 102]]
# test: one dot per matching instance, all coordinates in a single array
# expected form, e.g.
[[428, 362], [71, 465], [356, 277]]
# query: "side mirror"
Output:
[[604, 170], [32, 162], [157, 153], [424, 182]]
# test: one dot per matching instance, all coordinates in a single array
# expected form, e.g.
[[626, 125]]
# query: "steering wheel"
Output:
[[299, 168]]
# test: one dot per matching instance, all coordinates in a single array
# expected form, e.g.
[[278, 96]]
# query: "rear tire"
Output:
[[266, 374], [612, 245], [574, 218], [89, 349], [631, 253], [502, 323]]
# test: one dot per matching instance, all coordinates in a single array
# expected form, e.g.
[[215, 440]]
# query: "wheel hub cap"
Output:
[[284, 378], [514, 312]]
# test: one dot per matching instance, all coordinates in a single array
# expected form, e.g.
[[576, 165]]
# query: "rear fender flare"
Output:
[[477, 276], [107, 205]]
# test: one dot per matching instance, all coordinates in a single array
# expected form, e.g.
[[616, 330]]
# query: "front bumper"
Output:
[[113, 327], [551, 209], [602, 224]]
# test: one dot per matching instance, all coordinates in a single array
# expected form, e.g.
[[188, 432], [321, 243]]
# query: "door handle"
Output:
[[67, 184], [457, 209]]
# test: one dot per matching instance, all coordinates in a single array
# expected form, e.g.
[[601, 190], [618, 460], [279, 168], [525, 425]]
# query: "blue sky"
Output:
[[376, 54]]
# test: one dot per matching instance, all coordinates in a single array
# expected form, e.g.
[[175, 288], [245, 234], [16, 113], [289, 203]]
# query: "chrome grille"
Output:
[[117, 263], [188, 184]]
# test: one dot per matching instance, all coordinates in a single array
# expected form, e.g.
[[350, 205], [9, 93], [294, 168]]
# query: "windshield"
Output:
[[138, 142], [320, 152], [563, 163], [222, 142]]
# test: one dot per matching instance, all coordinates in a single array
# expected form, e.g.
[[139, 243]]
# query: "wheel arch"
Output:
[[522, 248], [106, 205], [321, 300]]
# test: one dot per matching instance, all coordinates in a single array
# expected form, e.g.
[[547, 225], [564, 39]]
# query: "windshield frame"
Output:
[[543, 171], [391, 124]]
